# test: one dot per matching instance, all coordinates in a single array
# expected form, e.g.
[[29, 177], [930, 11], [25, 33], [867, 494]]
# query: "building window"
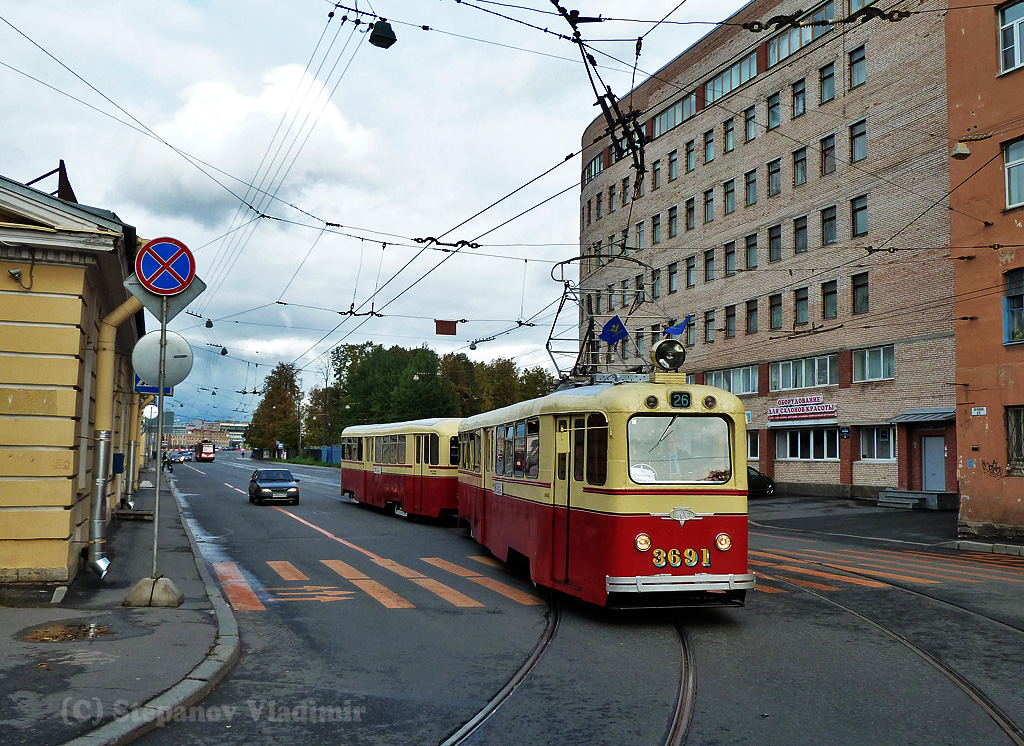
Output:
[[775, 311], [774, 177], [691, 211], [750, 183], [709, 265], [600, 206], [640, 235], [878, 443], [828, 154], [709, 205], [751, 251], [709, 326], [752, 316], [829, 300], [611, 198], [673, 165], [1013, 307], [731, 78], [815, 444], [804, 373], [859, 215], [729, 196], [1013, 156], [655, 229], [860, 292], [625, 191], [675, 115], [749, 125], [775, 243], [875, 364], [858, 67], [800, 235], [691, 159], [774, 111], [858, 141], [828, 226], [1011, 36], [691, 271], [812, 26], [624, 290], [673, 222], [728, 135], [752, 445], [639, 285], [1015, 441], [593, 168], [673, 277], [656, 283], [730, 258], [730, 322], [856, 5], [800, 306], [656, 174], [611, 297], [691, 334], [800, 167], [739, 381], [624, 243], [799, 98], [709, 146], [827, 77]]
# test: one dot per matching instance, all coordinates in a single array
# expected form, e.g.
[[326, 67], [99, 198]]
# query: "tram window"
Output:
[[520, 449], [509, 449], [578, 445], [533, 448], [667, 449], [476, 451], [453, 450], [597, 449], [499, 450], [434, 447], [378, 449], [401, 449]]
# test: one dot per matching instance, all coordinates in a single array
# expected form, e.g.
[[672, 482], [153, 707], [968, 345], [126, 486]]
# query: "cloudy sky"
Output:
[[301, 164]]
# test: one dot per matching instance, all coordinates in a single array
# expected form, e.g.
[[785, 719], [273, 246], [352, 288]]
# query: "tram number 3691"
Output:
[[675, 557]]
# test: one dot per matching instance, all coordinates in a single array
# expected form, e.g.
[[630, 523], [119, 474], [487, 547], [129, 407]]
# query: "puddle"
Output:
[[75, 630]]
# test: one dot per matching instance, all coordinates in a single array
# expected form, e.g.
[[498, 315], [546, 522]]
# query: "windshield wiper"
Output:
[[667, 428]]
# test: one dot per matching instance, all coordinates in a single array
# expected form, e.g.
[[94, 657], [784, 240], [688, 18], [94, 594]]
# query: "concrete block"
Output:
[[154, 592]]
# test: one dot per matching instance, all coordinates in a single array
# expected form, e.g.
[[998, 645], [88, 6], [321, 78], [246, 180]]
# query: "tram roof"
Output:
[[438, 424]]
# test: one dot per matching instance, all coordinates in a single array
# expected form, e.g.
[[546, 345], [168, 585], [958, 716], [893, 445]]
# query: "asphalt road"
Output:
[[365, 628]]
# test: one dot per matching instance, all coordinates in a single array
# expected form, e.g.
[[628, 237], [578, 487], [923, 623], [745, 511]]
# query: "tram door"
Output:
[[560, 502], [419, 470]]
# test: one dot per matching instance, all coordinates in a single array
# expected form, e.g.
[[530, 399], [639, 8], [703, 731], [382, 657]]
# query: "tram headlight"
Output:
[[642, 542], [723, 542], [710, 402], [669, 354]]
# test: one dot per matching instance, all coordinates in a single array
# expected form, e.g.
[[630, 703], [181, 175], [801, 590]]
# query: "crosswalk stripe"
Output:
[[495, 585], [287, 570], [817, 573], [240, 595], [385, 596], [874, 565]]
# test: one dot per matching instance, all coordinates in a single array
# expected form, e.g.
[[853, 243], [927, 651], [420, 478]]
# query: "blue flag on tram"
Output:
[[614, 330], [678, 328]]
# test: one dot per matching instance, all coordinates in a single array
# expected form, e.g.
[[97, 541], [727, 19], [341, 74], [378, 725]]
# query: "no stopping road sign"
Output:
[[165, 266]]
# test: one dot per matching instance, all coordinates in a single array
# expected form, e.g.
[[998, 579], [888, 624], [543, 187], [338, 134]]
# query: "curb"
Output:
[[966, 545], [200, 681]]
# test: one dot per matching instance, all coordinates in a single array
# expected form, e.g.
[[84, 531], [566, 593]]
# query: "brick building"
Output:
[[788, 206], [985, 49]]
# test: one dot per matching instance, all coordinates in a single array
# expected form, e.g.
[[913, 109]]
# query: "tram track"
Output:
[[1003, 720]]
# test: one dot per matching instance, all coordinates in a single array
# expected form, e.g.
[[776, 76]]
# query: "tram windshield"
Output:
[[673, 449]]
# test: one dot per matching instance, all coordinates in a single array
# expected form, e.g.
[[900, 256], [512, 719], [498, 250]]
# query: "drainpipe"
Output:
[[103, 431], [135, 423]]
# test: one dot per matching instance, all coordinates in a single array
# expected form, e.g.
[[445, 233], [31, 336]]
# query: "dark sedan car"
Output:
[[759, 485], [273, 484]]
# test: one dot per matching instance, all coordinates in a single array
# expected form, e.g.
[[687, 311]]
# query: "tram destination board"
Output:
[[679, 399]]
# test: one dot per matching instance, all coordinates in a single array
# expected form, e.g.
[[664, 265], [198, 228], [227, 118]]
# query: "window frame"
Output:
[[862, 362], [859, 216], [1016, 36], [1013, 307], [858, 66], [827, 73], [869, 442], [1014, 171]]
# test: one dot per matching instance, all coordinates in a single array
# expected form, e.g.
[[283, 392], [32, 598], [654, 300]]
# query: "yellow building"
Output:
[[62, 268]]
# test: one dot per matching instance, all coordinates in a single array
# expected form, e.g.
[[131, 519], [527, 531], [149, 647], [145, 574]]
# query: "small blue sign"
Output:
[[141, 387]]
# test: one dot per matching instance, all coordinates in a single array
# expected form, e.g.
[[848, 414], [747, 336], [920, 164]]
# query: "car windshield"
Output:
[[672, 448], [278, 475]]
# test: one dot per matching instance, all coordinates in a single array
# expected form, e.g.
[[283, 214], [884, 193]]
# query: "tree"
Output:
[[536, 382], [500, 383], [281, 396], [460, 374]]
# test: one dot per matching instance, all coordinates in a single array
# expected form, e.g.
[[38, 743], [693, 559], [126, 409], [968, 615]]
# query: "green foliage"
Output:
[[276, 416]]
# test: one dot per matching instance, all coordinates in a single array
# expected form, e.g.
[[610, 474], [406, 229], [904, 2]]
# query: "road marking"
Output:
[[287, 570], [450, 595], [321, 593], [817, 573], [489, 561], [235, 488], [194, 469], [240, 595], [873, 566], [767, 588], [495, 585], [383, 595]]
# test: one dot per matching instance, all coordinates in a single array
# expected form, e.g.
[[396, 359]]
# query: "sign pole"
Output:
[[160, 427]]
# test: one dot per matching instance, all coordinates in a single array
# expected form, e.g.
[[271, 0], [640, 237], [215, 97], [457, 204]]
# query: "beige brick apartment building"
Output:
[[792, 203]]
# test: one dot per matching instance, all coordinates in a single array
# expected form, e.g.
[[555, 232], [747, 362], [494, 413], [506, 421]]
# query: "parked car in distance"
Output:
[[759, 485], [273, 484]]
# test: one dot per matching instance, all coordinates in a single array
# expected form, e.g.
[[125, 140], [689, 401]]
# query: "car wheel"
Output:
[[251, 499], [259, 500], [295, 501]]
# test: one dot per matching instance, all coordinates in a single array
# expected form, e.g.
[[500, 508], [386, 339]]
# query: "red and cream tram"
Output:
[[410, 467], [622, 494]]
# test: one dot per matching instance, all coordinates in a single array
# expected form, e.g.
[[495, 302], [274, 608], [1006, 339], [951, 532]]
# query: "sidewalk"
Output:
[[86, 671]]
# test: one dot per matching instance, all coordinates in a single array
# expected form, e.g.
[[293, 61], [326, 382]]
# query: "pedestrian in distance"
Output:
[[168, 464]]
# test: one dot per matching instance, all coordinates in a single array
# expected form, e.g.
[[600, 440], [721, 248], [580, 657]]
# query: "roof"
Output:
[[934, 414]]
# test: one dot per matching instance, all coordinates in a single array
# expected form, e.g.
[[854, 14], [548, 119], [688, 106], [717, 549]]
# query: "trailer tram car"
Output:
[[408, 467], [204, 451], [627, 494]]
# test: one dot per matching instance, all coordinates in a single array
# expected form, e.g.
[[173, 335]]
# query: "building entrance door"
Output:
[[933, 466]]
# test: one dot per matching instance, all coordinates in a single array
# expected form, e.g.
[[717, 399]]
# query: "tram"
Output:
[[408, 467], [204, 451], [628, 493]]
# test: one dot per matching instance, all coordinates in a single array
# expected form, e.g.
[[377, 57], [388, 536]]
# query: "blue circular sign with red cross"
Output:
[[165, 266]]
